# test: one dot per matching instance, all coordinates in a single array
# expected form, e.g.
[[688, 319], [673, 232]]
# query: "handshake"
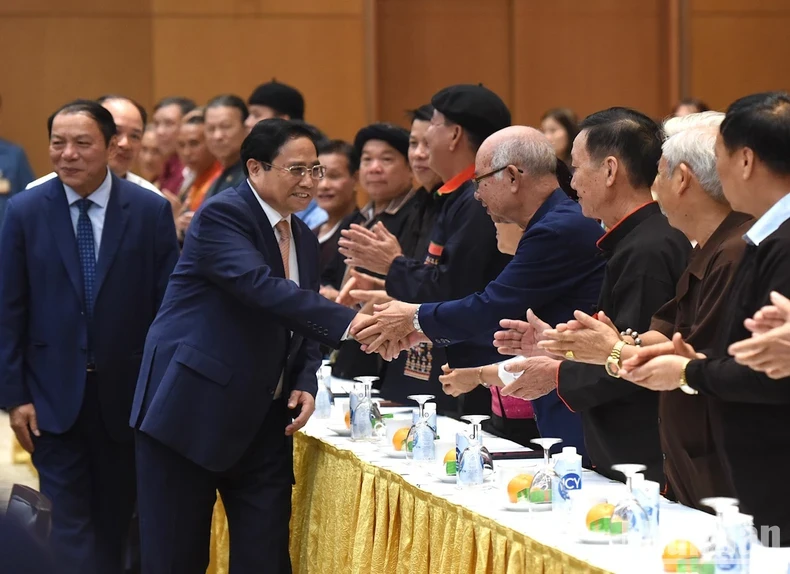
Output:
[[388, 331]]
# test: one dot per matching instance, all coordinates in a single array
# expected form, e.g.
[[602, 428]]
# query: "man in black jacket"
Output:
[[615, 157]]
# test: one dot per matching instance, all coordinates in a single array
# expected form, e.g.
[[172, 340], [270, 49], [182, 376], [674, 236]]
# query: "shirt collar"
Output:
[[272, 214], [98, 197], [769, 222], [627, 224], [553, 199], [393, 207], [457, 181], [701, 256]]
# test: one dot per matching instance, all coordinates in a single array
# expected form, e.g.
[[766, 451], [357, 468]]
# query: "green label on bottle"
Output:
[[522, 495], [450, 468], [409, 445]]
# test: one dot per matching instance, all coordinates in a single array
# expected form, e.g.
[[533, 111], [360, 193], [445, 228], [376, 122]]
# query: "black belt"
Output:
[[90, 367]]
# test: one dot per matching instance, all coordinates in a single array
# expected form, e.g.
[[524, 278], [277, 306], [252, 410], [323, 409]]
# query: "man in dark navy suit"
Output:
[[86, 260], [230, 360], [554, 270]]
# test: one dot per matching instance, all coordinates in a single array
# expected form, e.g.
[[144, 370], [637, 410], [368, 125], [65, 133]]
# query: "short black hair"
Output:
[[319, 137], [424, 113], [696, 102], [229, 101], [630, 136], [92, 108], [141, 109], [185, 104], [341, 147], [760, 122], [282, 98], [268, 137]]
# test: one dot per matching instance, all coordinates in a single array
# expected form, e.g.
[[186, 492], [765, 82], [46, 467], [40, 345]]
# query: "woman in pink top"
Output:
[[512, 418]]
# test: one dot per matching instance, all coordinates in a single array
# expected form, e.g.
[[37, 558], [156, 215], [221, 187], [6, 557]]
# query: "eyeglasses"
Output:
[[315, 171], [476, 181]]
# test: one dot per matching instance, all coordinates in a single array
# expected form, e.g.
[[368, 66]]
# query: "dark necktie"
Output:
[[87, 249]]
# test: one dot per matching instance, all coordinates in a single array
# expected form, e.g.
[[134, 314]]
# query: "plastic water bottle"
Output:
[[568, 466], [323, 398], [648, 494]]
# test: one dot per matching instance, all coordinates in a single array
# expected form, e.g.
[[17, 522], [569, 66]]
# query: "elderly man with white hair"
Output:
[[690, 194]]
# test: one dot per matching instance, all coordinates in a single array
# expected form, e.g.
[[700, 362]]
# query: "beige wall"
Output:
[[360, 60]]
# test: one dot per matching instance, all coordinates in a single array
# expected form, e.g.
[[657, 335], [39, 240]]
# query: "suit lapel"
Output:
[[115, 219], [304, 265], [273, 248], [62, 227]]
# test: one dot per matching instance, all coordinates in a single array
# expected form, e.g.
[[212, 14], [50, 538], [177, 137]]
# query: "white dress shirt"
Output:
[[769, 222], [130, 177], [96, 213], [274, 218]]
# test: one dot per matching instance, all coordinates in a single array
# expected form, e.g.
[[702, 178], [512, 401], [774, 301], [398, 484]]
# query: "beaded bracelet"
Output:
[[633, 334]]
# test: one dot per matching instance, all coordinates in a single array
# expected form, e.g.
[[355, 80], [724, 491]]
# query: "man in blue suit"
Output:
[[86, 260], [554, 270], [230, 360]]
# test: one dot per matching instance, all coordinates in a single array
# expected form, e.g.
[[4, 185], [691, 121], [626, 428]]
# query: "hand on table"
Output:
[[306, 404], [589, 339], [374, 249], [539, 377], [521, 337], [24, 423]]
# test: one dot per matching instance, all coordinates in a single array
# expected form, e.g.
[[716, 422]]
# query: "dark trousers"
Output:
[[177, 500], [520, 431], [90, 480]]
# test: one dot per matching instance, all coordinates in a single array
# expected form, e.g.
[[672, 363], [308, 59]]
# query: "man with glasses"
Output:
[[229, 367], [554, 271]]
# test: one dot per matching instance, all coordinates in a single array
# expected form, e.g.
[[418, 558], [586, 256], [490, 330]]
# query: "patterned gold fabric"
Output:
[[352, 517]]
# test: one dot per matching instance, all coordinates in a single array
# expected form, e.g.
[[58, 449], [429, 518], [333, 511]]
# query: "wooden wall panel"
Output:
[[88, 8], [424, 46], [587, 56], [324, 61], [60, 59], [311, 8], [738, 48]]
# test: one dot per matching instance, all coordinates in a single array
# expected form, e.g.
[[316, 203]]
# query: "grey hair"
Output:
[[691, 140], [676, 125], [534, 155]]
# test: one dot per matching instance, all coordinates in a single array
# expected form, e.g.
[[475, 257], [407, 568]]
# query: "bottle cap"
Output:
[[430, 407], [571, 450], [637, 478]]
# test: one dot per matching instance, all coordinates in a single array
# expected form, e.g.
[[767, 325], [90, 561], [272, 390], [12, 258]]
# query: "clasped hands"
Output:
[[389, 330]]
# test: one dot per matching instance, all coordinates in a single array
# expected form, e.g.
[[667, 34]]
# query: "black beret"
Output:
[[282, 98], [474, 108], [394, 135]]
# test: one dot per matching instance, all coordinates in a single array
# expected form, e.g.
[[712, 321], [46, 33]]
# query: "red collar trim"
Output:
[[457, 181], [616, 225]]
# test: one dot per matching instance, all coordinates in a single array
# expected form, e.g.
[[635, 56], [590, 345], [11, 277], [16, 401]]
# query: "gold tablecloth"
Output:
[[353, 517]]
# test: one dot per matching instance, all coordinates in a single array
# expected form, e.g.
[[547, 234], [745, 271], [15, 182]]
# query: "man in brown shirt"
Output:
[[690, 194]]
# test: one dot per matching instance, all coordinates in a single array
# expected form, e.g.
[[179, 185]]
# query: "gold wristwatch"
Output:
[[613, 364], [684, 384]]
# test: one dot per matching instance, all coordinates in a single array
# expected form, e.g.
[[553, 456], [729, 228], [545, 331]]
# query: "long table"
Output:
[[357, 510]]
